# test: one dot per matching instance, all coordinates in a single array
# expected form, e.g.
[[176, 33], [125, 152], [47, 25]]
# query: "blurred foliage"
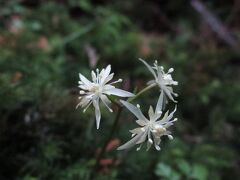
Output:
[[43, 46]]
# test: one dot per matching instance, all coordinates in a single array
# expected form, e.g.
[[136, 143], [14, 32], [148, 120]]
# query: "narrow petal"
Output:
[[136, 131], [148, 145], [143, 137], [97, 112], [131, 142], [150, 112], [106, 102], [168, 93], [94, 77], [167, 117], [118, 92], [85, 80], [159, 106], [84, 101], [156, 139], [149, 68], [171, 115], [136, 111], [105, 73], [141, 122], [109, 78]]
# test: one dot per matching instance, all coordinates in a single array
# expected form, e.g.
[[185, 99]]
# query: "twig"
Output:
[[215, 24], [114, 127]]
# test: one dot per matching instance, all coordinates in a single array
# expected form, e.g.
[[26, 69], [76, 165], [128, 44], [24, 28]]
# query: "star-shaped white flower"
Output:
[[162, 79], [99, 89], [151, 129]]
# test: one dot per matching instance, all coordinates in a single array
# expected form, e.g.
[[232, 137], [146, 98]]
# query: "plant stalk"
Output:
[[114, 127]]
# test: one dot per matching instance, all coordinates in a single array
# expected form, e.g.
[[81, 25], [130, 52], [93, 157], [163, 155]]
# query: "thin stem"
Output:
[[141, 92], [104, 148], [114, 127]]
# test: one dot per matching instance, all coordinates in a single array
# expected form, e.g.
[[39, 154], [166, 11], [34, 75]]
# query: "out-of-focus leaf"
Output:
[[199, 172]]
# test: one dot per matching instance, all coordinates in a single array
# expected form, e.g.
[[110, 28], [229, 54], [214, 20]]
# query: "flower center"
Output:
[[167, 77], [158, 129], [96, 89]]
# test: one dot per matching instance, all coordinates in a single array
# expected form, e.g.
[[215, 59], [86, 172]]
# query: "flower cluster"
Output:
[[152, 128]]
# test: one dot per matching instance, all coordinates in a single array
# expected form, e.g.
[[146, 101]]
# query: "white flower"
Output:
[[99, 89], [151, 129], [162, 79]]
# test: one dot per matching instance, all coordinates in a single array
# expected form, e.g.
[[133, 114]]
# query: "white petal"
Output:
[[106, 102], [94, 77], [171, 115], [164, 117], [85, 80], [118, 92], [83, 87], [97, 112], [136, 111], [151, 113], [168, 93], [105, 73], [141, 122], [130, 143], [142, 138], [149, 67], [136, 131], [159, 106], [157, 140], [109, 78], [148, 145]]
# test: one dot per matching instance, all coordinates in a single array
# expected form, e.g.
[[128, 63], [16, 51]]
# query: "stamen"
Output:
[[84, 110], [139, 148], [97, 79], [175, 119], [170, 70], [157, 147], [150, 140], [78, 105], [120, 80], [82, 92], [170, 137], [175, 83], [107, 106]]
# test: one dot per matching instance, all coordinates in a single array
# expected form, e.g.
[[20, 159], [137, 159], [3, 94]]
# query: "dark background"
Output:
[[45, 44]]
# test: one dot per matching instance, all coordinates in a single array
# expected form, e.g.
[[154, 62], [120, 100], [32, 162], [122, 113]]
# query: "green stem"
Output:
[[141, 92], [114, 127], [104, 148]]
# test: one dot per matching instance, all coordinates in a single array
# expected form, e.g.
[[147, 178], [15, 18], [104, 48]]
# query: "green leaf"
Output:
[[184, 166], [199, 172], [163, 170], [166, 171]]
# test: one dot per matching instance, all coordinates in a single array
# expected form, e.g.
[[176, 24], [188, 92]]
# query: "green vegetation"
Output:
[[45, 44]]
